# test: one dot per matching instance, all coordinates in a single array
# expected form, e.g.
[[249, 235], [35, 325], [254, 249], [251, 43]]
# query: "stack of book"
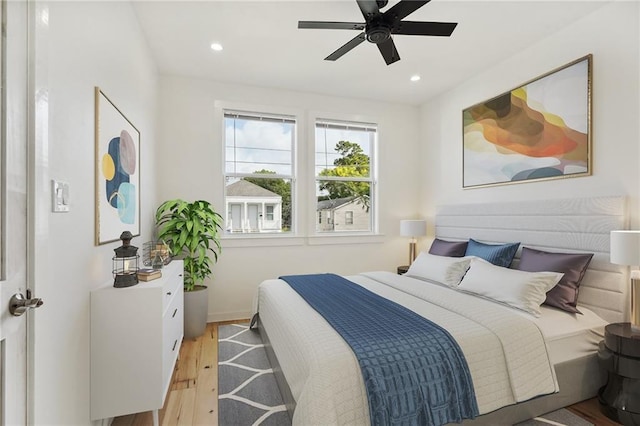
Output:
[[148, 274]]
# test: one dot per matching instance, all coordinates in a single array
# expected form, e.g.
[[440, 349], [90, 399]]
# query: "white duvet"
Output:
[[505, 351]]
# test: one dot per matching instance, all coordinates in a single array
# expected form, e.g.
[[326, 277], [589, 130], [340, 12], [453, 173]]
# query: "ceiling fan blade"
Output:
[[389, 51], [443, 29], [368, 8], [346, 47], [331, 25], [405, 7]]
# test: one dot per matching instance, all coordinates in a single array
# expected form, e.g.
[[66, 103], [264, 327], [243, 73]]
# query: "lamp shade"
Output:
[[625, 247], [413, 228]]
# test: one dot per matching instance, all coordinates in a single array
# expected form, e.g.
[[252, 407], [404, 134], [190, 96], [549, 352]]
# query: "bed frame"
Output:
[[568, 225]]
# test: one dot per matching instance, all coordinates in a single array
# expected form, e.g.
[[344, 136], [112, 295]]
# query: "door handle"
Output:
[[18, 304]]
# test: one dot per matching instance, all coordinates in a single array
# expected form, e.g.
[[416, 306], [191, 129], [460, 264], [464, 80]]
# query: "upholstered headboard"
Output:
[[563, 225]]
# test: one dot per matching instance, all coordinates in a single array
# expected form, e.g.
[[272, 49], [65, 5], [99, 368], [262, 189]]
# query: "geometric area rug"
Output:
[[247, 390], [249, 394], [559, 417]]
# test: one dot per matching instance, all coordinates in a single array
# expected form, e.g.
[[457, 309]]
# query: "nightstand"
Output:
[[403, 269], [619, 356]]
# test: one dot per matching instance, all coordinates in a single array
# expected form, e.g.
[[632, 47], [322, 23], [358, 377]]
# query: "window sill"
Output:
[[252, 240], [316, 240]]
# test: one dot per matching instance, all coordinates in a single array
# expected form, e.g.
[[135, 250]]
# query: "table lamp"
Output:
[[625, 250], [413, 229]]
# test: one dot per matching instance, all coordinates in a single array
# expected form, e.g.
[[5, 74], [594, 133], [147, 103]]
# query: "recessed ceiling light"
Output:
[[415, 77], [216, 47]]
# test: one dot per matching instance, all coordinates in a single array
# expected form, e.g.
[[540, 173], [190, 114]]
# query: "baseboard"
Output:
[[228, 316]]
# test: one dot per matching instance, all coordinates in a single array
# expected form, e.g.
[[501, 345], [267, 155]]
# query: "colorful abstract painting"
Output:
[[117, 172], [540, 130]]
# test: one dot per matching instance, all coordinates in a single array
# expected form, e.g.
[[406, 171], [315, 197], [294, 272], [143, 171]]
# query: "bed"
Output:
[[320, 378]]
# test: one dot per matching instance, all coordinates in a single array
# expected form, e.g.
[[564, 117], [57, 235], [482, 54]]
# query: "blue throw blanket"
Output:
[[413, 370]]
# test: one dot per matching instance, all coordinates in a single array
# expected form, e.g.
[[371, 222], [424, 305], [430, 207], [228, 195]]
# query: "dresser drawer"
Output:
[[172, 283], [172, 330]]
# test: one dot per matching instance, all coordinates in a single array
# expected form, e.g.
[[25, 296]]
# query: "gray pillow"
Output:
[[448, 248], [565, 294]]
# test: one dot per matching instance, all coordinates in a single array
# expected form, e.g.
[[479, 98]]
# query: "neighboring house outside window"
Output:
[[348, 215], [246, 203], [344, 174], [259, 171]]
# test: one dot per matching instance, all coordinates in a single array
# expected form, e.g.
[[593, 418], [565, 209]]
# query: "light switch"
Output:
[[60, 196]]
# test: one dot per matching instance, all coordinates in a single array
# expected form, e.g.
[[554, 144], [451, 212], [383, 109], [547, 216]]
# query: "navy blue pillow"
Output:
[[498, 254]]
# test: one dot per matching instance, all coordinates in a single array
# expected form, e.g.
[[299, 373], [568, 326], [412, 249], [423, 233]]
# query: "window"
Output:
[[348, 218], [259, 171], [344, 175], [270, 212]]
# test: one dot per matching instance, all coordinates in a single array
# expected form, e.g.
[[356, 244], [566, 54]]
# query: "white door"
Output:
[[252, 215], [236, 217], [14, 184]]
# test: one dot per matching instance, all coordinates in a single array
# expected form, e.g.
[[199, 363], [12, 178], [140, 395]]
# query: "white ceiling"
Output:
[[264, 47]]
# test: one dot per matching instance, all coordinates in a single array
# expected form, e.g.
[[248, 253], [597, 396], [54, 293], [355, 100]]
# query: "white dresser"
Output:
[[136, 334]]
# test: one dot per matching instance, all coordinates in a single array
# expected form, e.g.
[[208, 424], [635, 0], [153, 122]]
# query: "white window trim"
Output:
[[283, 239], [316, 237], [303, 185]]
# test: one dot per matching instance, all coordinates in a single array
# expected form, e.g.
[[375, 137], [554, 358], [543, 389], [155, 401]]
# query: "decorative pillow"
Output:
[[498, 254], [519, 289], [445, 270], [564, 295], [448, 248]]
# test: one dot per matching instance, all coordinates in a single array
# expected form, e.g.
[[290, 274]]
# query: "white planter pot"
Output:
[[196, 309]]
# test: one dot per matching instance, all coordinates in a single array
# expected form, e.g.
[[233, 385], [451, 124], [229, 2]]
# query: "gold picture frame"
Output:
[[117, 172], [540, 130]]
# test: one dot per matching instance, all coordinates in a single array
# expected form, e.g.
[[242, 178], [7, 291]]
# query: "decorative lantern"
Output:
[[125, 262]]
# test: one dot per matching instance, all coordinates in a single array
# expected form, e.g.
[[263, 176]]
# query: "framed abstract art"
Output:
[[117, 165], [540, 130]]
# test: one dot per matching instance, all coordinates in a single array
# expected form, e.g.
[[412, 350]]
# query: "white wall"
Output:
[[81, 45], [611, 35], [190, 167]]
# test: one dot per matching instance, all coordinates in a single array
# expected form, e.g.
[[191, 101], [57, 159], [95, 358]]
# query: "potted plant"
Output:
[[192, 232]]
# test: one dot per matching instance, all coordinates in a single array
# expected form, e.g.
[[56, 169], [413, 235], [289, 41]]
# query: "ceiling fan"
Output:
[[379, 26]]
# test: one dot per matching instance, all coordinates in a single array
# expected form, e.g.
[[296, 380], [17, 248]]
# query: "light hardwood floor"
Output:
[[193, 395]]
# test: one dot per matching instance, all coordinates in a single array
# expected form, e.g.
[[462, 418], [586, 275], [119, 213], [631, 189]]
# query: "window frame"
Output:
[[322, 237], [303, 195], [291, 237]]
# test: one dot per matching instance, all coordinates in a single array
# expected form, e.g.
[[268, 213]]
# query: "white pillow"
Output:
[[519, 289], [446, 270]]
